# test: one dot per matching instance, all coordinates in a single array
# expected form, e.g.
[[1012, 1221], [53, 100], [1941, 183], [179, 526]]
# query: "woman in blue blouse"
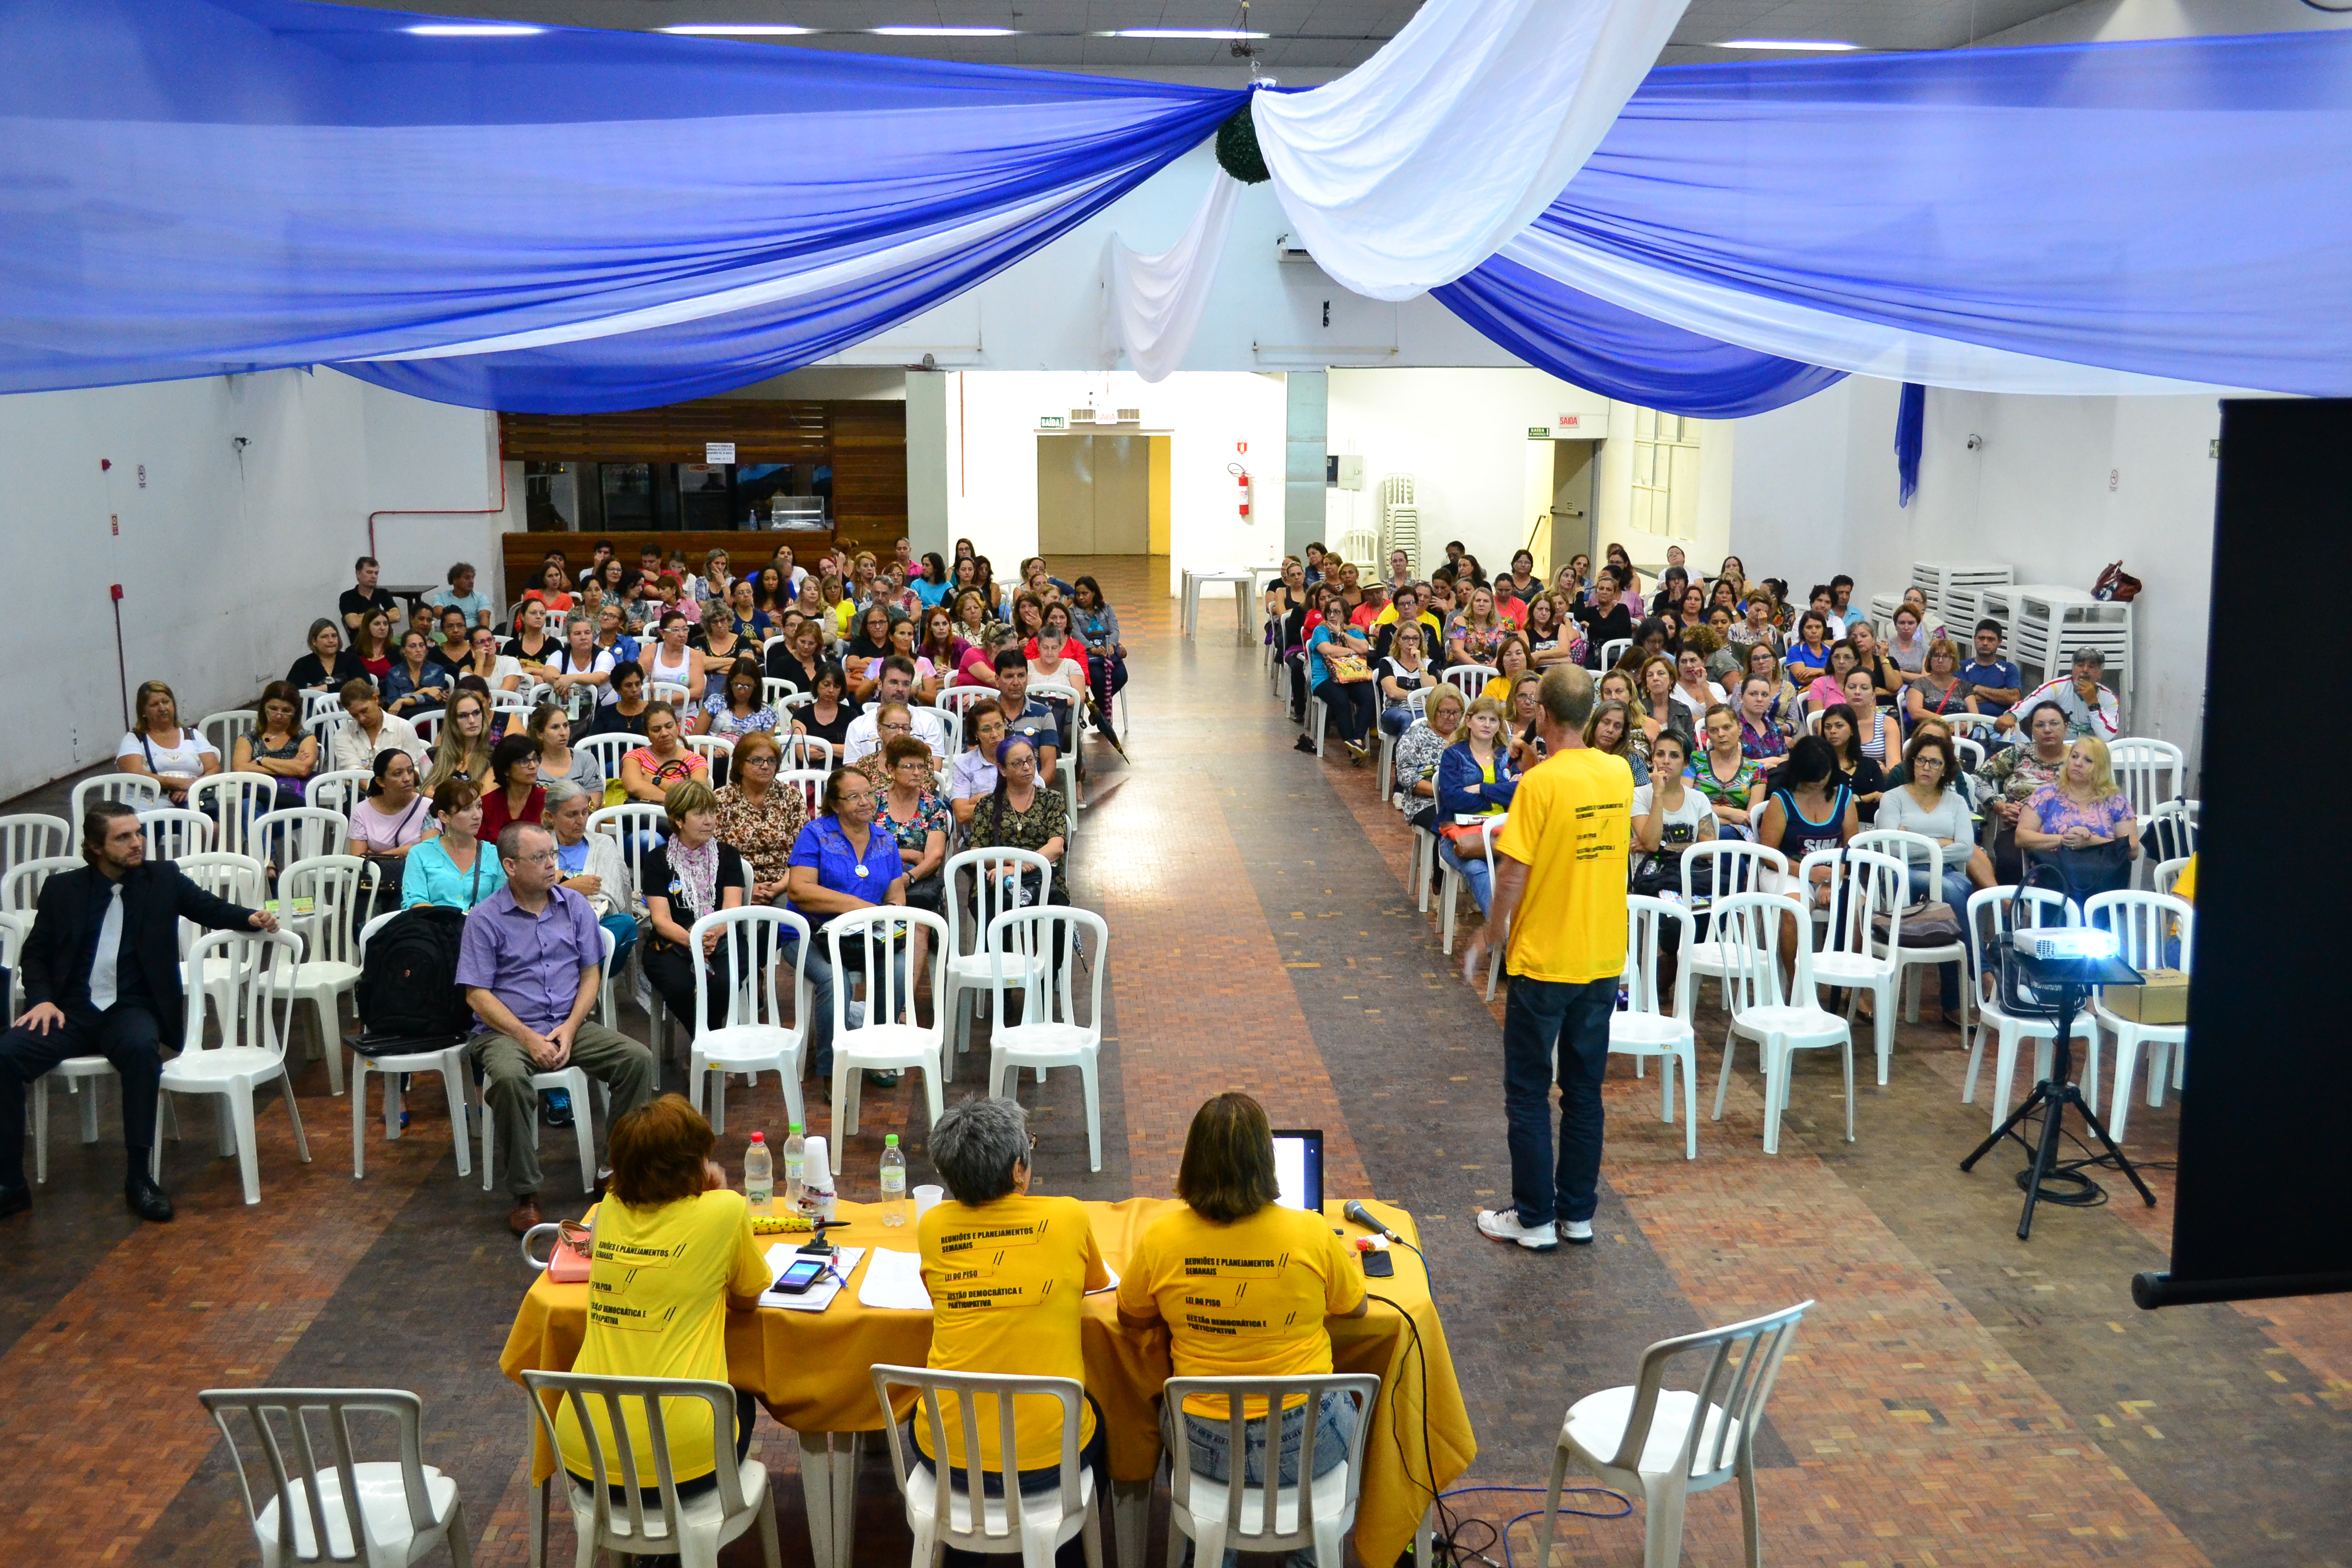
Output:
[[1474, 779], [840, 864], [456, 870]]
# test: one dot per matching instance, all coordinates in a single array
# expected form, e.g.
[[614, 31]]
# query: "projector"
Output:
[[2064, 942]]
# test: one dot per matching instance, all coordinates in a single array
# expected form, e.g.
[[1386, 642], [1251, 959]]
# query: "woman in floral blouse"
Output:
[[760, 820], [1422, 743], [1018, 815], [891, 722]]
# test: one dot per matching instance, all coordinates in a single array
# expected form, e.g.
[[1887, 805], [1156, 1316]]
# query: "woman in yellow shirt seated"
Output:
[[1279, 1273], [673, 1250], [1006, 1272]]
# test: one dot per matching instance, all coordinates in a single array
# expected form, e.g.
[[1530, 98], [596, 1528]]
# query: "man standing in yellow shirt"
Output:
[[1559, 893]]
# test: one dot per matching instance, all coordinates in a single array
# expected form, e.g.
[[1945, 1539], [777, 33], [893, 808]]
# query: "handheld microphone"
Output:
[[1359, 1214]]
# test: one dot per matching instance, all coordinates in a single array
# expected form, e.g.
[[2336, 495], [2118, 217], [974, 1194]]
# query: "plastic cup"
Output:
[[925, 1197]]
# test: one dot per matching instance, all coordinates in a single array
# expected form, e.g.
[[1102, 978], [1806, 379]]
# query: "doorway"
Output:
[[1573, 525], [1094, 493]]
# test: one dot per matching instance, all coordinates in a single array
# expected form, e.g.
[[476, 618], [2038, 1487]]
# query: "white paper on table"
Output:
[[893, 1280], [817, 1296], [1112, 1286]]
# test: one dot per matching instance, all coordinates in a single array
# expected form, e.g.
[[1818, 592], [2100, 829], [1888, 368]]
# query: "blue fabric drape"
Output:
[[1910, 435], [1620, 352], [2177, 208], [194, 186]]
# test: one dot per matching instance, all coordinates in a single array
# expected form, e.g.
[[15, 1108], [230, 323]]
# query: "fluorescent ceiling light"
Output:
[[472, 30], [1183, 33], [942, 32], [1810, 46], [736, 30]]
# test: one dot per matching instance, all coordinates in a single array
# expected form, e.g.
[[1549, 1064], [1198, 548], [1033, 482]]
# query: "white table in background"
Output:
[[1242, 580]]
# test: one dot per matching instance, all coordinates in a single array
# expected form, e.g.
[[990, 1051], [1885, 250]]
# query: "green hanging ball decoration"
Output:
[[1237, 148]]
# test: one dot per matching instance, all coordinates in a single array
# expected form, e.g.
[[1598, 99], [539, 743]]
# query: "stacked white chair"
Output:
[[251, 1050], [888, 1035], [1650, 1024], [1781, 1021], [690, 1529], [406, 1507], [1313, 1515], [1990, 923], [1864, 885], [753, 1037], [963, 1513], [1053, 1032], [997, 880], [1659, 1444], [2147, 926], [448, 1060]]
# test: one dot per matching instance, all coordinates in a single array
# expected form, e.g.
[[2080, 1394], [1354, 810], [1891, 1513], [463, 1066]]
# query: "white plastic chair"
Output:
[[2170, 832], [1864, 884], [1659, 1444], [338, 791], [952, 728], [1781, 1022], [1313, 1515], [692, 1529], [608, 750], [172, 832], [330, 969], [20, 888], [2167, 872], [810, 783], [754, 1038], [1649, 1026], [449, 1061], [79, 1074], [668, 692], [1014, 1523], [1732, 865], [1470, 679], [1912, 848], [714, 749], [1970, 752], [1989, 923], [774, 689], [2149, 772], [806, 754], [889, 1037], [996, 880], [2144, 926], [1613, 650], [1051, 1033], [250, 1051], [1449, 892], [233, 803], [299, 833], [137, 791], [223, 730], [1973, 725], [33, 835], [427, 724], [322, 724], [406, 1507], [571, 1078], [317, 702]]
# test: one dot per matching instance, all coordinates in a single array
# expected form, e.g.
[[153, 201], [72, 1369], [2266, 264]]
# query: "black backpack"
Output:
[[408, 987]]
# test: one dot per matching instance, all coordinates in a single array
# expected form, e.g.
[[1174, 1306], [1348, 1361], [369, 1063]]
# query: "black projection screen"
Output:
[[2266, 1157]]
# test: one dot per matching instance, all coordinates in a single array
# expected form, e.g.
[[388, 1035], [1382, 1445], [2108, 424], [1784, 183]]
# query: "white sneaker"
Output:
[[1576, 1232], [1503, 1225]]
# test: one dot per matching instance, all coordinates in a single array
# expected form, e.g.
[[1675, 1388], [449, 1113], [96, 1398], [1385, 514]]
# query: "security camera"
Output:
[[1976, 443]]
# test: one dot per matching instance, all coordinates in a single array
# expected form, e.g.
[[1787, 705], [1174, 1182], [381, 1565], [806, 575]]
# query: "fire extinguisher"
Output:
[[1240, 476]]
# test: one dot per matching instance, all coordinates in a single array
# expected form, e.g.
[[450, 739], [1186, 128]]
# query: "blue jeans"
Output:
[[1396, 719], [1211, 1442], [624, 937], [1474, 871], [1957, 888], [1539, 1014]]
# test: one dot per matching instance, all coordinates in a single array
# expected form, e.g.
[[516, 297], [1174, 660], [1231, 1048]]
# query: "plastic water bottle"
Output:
[[894, 1182], [759, 1177], [795, 1154]]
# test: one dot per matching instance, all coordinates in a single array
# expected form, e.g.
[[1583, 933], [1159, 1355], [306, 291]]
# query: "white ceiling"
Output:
[[1311, 38]]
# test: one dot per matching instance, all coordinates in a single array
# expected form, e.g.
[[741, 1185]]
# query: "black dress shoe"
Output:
[[147, 1200], [14, 1200]]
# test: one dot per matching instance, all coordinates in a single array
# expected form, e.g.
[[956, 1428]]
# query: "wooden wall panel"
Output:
[[869, 471], [764, 430]]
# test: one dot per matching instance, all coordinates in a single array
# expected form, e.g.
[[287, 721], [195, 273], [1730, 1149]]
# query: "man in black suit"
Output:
[[101, 970]]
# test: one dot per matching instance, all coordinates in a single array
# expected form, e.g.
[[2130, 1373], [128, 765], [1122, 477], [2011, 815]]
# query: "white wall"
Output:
[[2059, 488], [223, 559], [992, 457], [2096, 20]]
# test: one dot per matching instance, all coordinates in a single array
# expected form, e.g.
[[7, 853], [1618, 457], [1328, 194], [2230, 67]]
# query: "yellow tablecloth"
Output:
[[812, 1369]]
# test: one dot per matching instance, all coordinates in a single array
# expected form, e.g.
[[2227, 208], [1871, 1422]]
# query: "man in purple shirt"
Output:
[[532, 962]]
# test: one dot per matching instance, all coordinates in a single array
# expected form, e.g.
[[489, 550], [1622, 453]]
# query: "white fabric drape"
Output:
[[1419, 164], [1819, 337], [1156, 301]]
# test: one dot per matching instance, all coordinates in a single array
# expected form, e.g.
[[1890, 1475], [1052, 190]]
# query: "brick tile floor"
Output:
[[1955, 1398]]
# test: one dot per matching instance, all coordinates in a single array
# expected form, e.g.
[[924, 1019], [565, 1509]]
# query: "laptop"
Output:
[[1298, 1168]]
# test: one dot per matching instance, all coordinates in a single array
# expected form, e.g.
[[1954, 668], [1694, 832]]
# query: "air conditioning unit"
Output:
[[1131, 417], [1082, 415], [1290, 247]]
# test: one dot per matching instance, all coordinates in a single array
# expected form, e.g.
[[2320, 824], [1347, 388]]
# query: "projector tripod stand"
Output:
[[2072, 980]]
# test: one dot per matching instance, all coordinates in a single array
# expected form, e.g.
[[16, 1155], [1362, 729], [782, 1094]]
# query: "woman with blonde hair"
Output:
[[1611, 728], [462, 750], [2083, 823], [1474, 778], [1477, 634], [161, 748]]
